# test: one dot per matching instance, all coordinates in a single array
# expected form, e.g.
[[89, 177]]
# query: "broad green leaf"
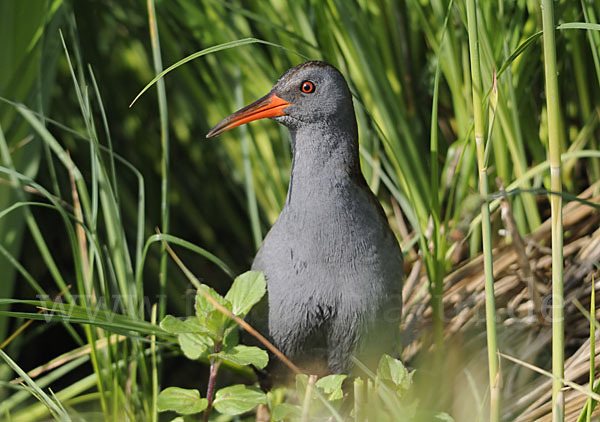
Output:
[[393, 370], [178, 419], [244, 355], [181, 400], [203, 306], [332, 385], [232, 338], [238, 399], [246, 291], [175, 325], [210, 318], [194, 345], [216, 324], [286, 411]]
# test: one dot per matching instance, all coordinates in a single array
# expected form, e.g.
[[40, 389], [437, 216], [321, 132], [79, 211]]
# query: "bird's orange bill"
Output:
[[268, 106]]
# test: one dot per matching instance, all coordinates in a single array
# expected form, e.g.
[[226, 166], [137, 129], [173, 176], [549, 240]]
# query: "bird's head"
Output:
[[311, 93]]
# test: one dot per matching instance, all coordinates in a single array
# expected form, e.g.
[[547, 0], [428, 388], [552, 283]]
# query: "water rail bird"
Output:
[[332, 264]]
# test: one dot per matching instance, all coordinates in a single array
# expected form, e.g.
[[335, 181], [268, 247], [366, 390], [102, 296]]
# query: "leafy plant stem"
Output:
[[234, 317]]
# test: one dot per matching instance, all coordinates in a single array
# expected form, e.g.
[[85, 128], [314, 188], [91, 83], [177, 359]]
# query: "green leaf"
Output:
[[286, 411], [194, 345], [246, 291], [579, 25], [231, 339], [52, 404], [57, 311], [194, 339], [244, 355], [332, 385], [393, 370], [180, 400], [203, 306], [210, 318], [238, 399], [173, 325]]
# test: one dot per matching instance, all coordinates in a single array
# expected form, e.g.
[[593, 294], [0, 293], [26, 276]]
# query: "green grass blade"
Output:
[[164, 142], [51, 404], [213, 49]]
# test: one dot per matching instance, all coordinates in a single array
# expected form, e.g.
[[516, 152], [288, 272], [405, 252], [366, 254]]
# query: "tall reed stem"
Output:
[[553, 109], [164, 141], [490, 302]]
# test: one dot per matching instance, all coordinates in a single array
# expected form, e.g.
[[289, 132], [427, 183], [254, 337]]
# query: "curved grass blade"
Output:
[[186, 244], [213, 49]]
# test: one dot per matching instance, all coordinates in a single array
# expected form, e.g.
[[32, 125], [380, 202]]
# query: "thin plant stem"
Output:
[[553, 110], [154, 411], [360, 400], [212, 377], [307, 396], [436, 260], [490, 303], [590, 402], [164, 141]]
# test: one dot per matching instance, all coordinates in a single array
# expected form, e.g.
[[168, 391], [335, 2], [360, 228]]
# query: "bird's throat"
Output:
[[324, 160]]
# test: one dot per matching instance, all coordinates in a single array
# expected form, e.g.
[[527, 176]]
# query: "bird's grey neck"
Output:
[[324, 159]]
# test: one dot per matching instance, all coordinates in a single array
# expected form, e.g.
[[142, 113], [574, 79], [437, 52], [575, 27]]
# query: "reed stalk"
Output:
[[490, 303], [164, 141], [553, 110]]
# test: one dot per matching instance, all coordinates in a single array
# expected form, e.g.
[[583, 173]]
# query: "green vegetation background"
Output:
[[224, 194]]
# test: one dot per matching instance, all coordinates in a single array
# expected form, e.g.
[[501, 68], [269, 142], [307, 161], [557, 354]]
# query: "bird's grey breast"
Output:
[[333, 259]]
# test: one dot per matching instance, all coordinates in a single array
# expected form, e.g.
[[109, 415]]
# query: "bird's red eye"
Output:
[[307, 87]]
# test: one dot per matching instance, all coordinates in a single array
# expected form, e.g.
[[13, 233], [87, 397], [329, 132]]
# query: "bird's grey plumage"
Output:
[[332, 264]]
